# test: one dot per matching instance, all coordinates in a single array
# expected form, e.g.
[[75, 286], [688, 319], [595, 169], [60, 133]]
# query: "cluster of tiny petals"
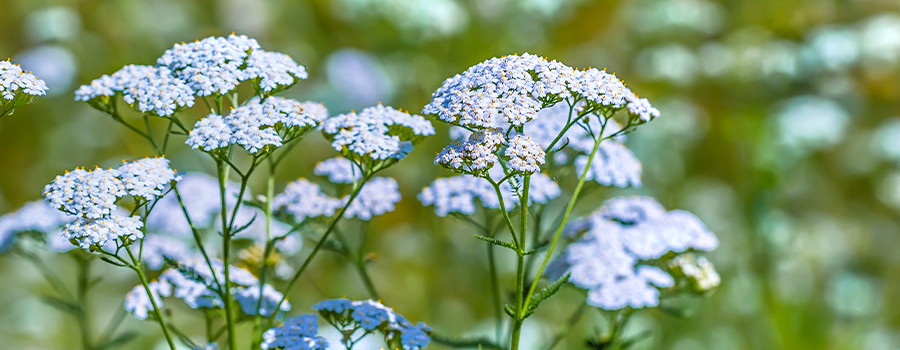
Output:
[[88, 193], [378, 132], [304, 199], [212, 65], [14, 80], [339, 170], [90, 232], [255, 125], [147, 177], [137, 302], [626, 230], [512, 89], [525, 155], [378, 196], [297, 333], [475, 155], [148, 88], [273, 69], [371, 315]]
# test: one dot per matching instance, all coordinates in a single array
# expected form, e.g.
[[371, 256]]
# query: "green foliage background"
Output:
[[810, 246]]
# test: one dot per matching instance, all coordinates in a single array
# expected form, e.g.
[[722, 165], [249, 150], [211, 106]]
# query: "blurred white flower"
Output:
[[654, 17], [672, 62], [359, 79], [54, 64], [880, 39], [52, 23], [809, 123], [427, 18], [886, 141], [852, 295], [835, 47]]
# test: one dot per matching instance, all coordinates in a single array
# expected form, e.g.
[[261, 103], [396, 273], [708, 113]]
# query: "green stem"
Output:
[[84, 275], [495, 292], [316, 249], [226, 247], [159, 318], [520, 266], [270, 195], [571, 205]]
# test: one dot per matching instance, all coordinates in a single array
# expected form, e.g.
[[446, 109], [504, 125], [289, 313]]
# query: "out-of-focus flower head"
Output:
[[303, 199], [17, 87], [37, 216], [249, 297], [613, 241], [378, 196], [457, 194], [376, 135], [257, 126], [339, 170]]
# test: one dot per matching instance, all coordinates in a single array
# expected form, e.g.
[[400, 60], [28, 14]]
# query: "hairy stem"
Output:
[[159, 318], [520, 266], [226, 248]]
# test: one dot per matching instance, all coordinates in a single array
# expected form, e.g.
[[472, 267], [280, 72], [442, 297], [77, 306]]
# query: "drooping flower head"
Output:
[[378, 134], [257, 126], [614, 241], [17, 87]]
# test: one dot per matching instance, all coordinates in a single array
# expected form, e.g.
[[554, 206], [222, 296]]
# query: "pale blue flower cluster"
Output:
[[376, 133], [256, 125], [92, 195], [213, 65], [457, 194], [297, 333], [16, 84], [249, 297], [613, 165], [511, 91], [304, 199], [273, 69], [339, 170], [37, 216], [147, 88], [614, 240], [378, 196], [157, 248], [371, 315], [138, 303]]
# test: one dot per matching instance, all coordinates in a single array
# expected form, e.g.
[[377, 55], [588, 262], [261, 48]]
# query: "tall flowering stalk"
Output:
[[509, 128]]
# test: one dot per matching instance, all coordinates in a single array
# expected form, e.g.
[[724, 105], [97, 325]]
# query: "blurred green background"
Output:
[[780, 129]]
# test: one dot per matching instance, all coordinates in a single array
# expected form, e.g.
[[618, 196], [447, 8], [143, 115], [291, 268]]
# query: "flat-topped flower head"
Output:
[[297, 333], [512, 89], [378, 196], [303, 199], [146, 88], [147, 177], [36, 216], [257, 126], [615, 239], [210, 66], [376, 133], [88, 193], [18, 87], [274, 70], [339, 170]]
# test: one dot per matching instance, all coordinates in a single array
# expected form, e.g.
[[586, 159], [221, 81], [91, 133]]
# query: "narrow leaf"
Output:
[[546, 293], [244, 227], [510, 310], [496, 242], [112, 262]]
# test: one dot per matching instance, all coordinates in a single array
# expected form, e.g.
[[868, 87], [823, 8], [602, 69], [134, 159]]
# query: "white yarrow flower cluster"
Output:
[[212, 65], [376, 133], [256, 125], [147, 88], [92, 196], [605, 260], [138, 303], [339, 170], [378, 196], [249, 297], [273, 69], [613, 165], [457, 194], [474, 156], [14, 83], [525, 155]]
